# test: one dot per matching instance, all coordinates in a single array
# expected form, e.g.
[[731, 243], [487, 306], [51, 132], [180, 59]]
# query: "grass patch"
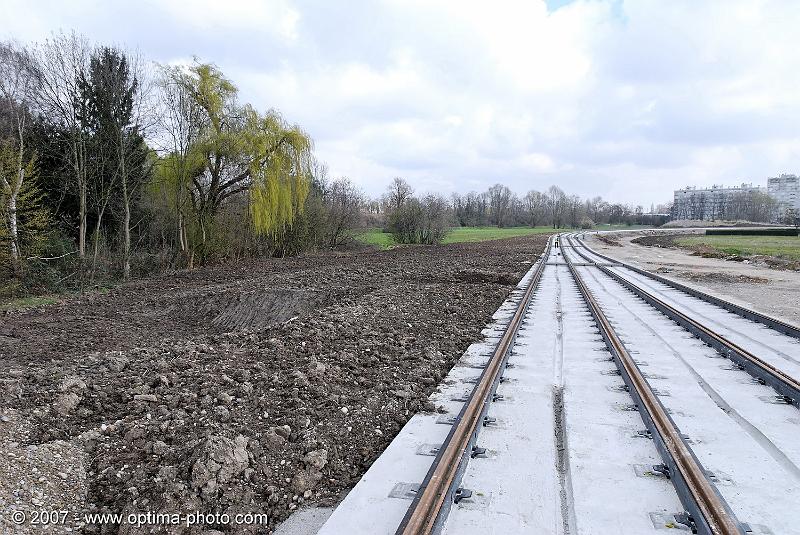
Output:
[[383, 240], [470, 234], [27, 302], [376, 237], [779, 246]]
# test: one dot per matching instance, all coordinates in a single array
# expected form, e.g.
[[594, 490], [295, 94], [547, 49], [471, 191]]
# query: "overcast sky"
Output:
[[625, 99]]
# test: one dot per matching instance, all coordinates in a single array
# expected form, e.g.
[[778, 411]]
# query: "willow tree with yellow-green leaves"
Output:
[[234, 151]]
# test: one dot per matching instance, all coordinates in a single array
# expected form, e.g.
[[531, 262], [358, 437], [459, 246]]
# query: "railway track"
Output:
[[781, 364], [773, 323], [441, 487], [545, 429]]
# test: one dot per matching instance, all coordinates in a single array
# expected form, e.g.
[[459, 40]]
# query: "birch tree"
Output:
[[19, 80]]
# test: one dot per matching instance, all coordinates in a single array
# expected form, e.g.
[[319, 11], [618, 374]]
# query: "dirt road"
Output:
[[753, 285]]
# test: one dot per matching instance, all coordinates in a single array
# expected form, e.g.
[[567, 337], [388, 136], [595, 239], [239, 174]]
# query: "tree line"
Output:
[[427, 219], [553, 207], [111, 166]]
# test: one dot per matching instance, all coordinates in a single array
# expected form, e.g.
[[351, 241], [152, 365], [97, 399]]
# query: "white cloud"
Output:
[[276, 17], [628, 100]]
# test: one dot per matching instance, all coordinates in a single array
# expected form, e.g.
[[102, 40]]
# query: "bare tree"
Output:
[[574, 210], [133, 163], [436, 219], [595, 208], [470, 209], [181, 124], [343, 202], [534, 203], [399, 192], [131, 150], [556, 201], [500, 198], [62, 60]]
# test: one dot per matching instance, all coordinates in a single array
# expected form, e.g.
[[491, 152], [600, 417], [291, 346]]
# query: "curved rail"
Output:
[[439, 487], [772, 323], [784, 384], [708, 511]]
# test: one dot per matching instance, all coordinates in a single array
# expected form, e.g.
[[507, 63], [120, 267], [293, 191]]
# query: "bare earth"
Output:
[[755, 286], [257, 388]]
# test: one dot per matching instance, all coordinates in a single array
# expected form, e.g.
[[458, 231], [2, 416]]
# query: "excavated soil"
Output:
[[609, 240], [244, 389], [657, 240]]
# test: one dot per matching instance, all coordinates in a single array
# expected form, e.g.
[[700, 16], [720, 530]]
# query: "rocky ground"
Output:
[[246, 389]]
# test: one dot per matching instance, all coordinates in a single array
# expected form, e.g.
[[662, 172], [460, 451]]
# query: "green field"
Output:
[[376, 237], [781, 246], [384, 240], [462, 234]]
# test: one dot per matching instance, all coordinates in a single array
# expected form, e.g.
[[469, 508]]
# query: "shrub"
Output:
[[425, 221]]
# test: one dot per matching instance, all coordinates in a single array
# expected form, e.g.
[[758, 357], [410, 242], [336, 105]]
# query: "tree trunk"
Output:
[[80, 174], [126, 251], [13, 193], [82, 224], [97, 242], [126, 224], [181, 241], [12, 227]]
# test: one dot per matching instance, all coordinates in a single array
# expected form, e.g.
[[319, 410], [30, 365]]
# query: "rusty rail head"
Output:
[[424, 510], [715, 510]]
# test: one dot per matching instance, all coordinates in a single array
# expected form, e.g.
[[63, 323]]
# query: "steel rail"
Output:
[[772, 323], [783, 383], [707, 509], [423, 515]]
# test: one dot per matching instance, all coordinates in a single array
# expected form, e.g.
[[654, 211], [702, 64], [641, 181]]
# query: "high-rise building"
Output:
[[785, 189]]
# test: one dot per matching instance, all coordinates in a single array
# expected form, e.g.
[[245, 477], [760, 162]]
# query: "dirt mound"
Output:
[[609, 240], [657, 240], [505, 279], [262, 308], [722, 277], [194, 392], [776, 262], [705, 251]]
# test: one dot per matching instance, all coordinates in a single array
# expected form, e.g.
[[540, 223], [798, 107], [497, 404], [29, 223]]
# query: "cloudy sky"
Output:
[[628, 99]]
